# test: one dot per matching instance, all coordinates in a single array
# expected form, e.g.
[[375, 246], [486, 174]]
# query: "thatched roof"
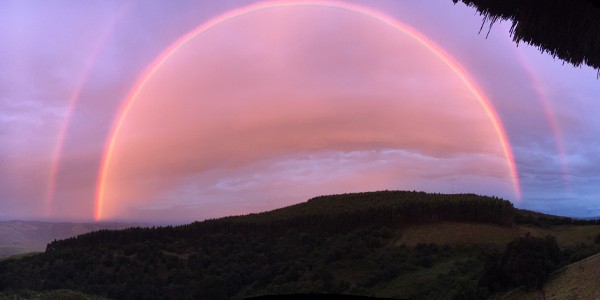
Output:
[[567, 29]]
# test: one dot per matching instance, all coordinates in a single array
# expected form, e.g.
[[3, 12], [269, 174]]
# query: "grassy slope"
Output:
[[464, 235], [492, 235], [580, 280], [565, 234], [453, 233]]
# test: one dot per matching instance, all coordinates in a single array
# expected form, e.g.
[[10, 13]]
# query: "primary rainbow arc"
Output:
[[230, 15]]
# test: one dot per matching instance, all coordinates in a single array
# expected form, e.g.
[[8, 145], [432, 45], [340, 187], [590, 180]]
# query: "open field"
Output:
[[454, 233], [566, 235]]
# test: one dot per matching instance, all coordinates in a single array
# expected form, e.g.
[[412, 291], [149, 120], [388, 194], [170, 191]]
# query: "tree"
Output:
[[528, 261]]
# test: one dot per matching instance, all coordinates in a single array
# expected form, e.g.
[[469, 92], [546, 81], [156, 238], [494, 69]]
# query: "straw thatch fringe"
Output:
[[567, 29]]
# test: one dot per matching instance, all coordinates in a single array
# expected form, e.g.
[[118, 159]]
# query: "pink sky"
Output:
[[247, 96], [278, 106]]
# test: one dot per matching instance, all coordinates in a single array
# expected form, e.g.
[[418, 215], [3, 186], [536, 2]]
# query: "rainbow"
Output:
[[456, 68], [73, 100], [549, 113]]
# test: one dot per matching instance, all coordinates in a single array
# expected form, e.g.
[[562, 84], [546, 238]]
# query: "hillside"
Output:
[[17, 237], [385, 244], [579, 280]]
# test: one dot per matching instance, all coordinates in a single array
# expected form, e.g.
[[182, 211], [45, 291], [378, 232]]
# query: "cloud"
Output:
[[281, 181]]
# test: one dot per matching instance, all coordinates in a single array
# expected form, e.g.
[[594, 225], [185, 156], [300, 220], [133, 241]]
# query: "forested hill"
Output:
[[348, 244], [407, 245], [335, 214]]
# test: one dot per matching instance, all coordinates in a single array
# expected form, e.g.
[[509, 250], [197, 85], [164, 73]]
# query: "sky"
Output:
[[175, 111]]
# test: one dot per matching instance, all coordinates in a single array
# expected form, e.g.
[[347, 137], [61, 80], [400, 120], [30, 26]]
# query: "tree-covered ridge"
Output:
[[330, 244], [341, 244], [335, 213], [544, 220], [390, 208]]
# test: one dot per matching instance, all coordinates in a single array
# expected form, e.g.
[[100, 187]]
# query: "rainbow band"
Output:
[[73, 100], [230, 15], [542, 97]]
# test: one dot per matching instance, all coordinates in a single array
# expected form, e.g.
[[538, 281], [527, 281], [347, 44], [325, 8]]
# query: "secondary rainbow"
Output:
[[73, 100], [550, 116], [456, 68]]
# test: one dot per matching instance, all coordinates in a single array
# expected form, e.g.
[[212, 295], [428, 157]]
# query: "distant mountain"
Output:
[[591, 218], [390, 244], [17, 237]]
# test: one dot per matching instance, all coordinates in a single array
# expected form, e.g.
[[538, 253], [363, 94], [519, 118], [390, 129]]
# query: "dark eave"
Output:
[[567, 29]]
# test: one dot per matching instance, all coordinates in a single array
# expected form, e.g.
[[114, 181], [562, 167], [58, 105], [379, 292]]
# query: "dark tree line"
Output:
[[221, 266]]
